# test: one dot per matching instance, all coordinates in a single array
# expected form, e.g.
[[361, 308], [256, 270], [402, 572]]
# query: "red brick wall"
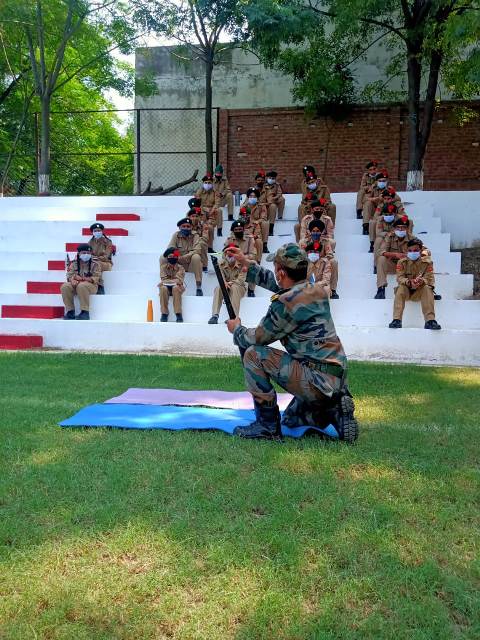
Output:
[[284, 139]]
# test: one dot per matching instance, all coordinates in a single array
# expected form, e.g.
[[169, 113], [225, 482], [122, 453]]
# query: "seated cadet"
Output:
[[272, 196], [252, 230], [393, 249], [372, 197], [83, 276], [318, 210], [258, 213], [260, 180], [203, 230], [385, 222], [416, 281], [102, 251], [368, 179], [308, 168], [172, 276], [188, 245], [319, 190], [245, 242], [319, 268], [388, 196], [316, 233], [210, 206], [224, 195], [234, 277]]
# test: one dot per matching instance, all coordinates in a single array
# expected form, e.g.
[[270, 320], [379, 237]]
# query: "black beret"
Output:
[[272, 174], [84, 247], [169, 251], [193, 212], [400, 222], [260, 175], [184, 221], [253, 190], [97, 225], [194, 202], [238, 224], [316, 223], [308, 168], [414, 241]]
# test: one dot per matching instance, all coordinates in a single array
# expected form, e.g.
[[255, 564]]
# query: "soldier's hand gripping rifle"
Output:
[[226, 295]]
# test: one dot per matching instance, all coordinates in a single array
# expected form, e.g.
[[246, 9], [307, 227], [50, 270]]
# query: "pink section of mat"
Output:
[[219, 399]]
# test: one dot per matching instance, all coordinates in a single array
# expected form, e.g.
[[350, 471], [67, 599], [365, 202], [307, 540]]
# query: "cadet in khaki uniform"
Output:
[[385, 221], [248, 245], [316, 233], [372, 197], [318, 211], [83, 276], [272, 196], [221, 187], [260, 180], [313, 365], [188, 245], [252, 232], [319, 267], [234, 277], [368, 180], [210, 203], [102, 250], [306, 169], [388, 196], [258, 213], [416, 282], [202, 229], [393, 249], [172, 276], [319, 190]]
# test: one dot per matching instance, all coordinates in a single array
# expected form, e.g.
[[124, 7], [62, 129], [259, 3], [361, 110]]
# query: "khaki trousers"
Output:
[[384, 266], [236, 292], [265, 226], [368, 210], [228, 201], [176, 294], [276, 210], [372, 228], [195, 266], [424, 294], [360, 197], [104, 266], [332, 212], [377, 247], [334, 277], [83, 290]]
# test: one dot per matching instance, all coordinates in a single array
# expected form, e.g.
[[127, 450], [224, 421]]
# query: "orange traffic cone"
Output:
[[150, 311]]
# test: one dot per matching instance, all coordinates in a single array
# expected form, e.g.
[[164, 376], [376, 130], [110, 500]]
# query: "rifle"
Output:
[[226, 295]]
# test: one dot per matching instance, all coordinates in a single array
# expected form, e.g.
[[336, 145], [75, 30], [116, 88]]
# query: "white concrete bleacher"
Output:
[[34, 231]]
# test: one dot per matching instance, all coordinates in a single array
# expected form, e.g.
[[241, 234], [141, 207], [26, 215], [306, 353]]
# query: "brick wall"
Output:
[[285, 139]]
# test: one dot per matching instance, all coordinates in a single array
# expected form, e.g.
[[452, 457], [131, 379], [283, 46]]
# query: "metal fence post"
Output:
[[138, 154]]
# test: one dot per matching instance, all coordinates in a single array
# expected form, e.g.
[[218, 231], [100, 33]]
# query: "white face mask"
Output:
[[413, 255], [271, 180], [400, 234], [97, 234], [389, 218], [314, 257], [312, 186], [85, 257], [207, 186], [230, 259], [381, 185], [252, 201]]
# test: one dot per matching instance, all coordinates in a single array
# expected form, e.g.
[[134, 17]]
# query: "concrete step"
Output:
[[31, 311], [14, 342], [363, 343]]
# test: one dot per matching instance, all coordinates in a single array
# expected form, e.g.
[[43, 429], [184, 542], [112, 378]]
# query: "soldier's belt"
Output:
[[325, 367]]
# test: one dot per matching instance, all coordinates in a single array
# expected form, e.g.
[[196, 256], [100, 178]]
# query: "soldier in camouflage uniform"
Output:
[[313, 368]]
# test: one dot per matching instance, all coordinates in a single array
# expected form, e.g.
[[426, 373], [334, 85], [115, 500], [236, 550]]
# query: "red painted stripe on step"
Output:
[[30, 311], [43, 287], [117, 216], [20, 342], [56, 265], [108, 232], [71, 247]]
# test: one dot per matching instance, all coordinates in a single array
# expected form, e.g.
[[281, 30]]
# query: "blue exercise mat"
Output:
[[140, 416]]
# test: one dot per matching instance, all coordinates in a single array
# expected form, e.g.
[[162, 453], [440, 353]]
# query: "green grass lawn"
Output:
[[152, 535]]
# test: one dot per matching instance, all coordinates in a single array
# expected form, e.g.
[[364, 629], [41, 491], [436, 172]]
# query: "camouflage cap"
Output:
[[289, 255]]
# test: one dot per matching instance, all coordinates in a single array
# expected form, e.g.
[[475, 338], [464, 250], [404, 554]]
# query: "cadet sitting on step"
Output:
[[272, 196], [318, 210], [188, 245], [393, 249], [388, 196], [385, 221], [316, 234], [368, 179], [102, 250], [234, 277], [224, 194], [416, 282], [319, 267], [83, 276], [258, 213], [243, 237], [319, 190], [202, 229], [172, 276], [210, 203]]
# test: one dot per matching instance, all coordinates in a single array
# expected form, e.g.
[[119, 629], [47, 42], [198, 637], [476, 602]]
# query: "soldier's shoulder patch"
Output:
[[430, 268], [274, 297]]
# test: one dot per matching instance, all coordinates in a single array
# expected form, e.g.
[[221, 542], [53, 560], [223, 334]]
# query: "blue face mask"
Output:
[[252, 201], [315, 235], [400, 234], [172, 260], [185, 232], [413, 255], [389, 218], [381, 185]]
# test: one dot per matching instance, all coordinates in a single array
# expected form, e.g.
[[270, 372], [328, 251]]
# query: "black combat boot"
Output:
[[436, 296], [210, 250], [251, 293], [432, 324], [265, 248], [164, 317], [205, 269], [101, 290], [359, 214], [395, 324], [365, 228], [70, 315], [230, 217], [380, 295], [219, 232], [266, 425], [213, 319], [270, 230], [179, 317], [341, 415], [371, 247], [334, 295], [83, 315]]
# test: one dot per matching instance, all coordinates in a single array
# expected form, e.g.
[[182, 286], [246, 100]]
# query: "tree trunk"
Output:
[[44, 162], [415, 156], [208, 113]]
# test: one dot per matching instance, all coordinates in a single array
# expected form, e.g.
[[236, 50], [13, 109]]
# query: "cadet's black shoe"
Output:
[[365, 228], [70, 315], [213, 320], [205, 269], [210, 250], [179, 317], [219, 232], [374, 271], [436, 296], [83, 315], [380, 295], [334, 295], [164, 317], [270, 230], [266, 425], [432, 324], [101, 290], [199, 292], [230, 217], [371, 247], [346, 424], [395, 324], [265, 248], [251, 294], [359, 214]]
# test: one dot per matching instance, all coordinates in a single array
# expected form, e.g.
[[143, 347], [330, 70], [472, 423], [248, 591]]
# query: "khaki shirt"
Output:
[[102, 248], [258, 212], [271, 193], [91, 270], [222, 187], [367, 180], [409, 269], [171, 274], [246, 245], [394, 245], [187, 246], [209, 199], [321, 271], [201, 229], [327, 221], [232, 273], [322, 191]]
